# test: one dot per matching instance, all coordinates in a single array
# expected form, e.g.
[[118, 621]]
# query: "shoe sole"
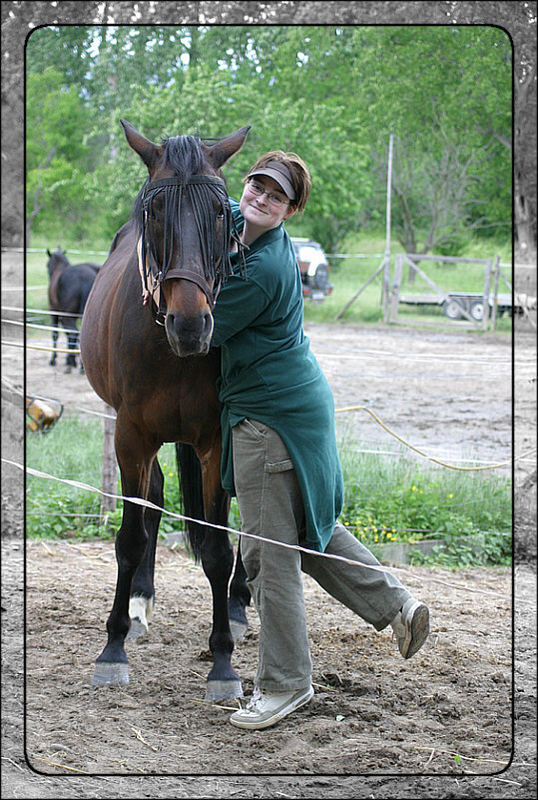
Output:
[[420, 629], [274, 718]]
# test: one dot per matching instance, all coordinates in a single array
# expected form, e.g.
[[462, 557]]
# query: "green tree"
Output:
[[56, 153], [445, 93], [332, 94], [67, 49]]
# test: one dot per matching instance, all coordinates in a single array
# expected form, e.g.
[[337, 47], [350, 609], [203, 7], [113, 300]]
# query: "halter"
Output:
[[201, 191]]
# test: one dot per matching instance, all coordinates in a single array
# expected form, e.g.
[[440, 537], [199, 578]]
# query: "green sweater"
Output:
[[270, 374]]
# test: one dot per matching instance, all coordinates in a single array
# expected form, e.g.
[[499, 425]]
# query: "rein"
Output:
[[201, 191]]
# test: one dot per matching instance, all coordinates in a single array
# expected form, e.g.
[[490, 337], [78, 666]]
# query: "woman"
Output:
[[279, 453]]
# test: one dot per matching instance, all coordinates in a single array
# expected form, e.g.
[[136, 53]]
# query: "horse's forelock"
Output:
[[184, 155]]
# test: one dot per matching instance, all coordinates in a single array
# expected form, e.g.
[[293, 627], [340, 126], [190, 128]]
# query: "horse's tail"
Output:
[[190, 485]]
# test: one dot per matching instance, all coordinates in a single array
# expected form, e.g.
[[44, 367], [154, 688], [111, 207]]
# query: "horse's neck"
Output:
[[60, 267], [55, 276]]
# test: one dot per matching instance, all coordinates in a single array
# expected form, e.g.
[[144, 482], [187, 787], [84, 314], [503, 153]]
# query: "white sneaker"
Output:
[[411, 626], [267, 708]]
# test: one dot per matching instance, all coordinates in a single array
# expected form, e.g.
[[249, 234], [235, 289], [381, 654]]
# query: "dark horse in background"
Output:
[[145, 339], [69, 287]]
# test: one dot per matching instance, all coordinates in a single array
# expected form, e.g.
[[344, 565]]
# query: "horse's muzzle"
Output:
[[189, 336]]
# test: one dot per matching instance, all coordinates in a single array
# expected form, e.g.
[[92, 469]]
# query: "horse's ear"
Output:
[[221, 151], [49, 253], [147, 150]]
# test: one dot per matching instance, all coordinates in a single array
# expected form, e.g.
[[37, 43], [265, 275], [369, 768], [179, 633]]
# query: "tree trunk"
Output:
[[525, 167]]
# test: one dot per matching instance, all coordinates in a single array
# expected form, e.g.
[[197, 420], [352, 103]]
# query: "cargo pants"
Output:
[[271, 506]]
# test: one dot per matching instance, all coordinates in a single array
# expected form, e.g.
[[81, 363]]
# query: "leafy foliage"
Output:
[[332, 94]]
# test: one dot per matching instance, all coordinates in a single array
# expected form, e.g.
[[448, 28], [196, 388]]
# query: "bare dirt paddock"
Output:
[[437, 726]]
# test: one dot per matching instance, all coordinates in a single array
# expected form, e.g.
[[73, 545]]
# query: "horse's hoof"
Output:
[[238, 630], [108, 674], [67, 370], [223, 690], [138, 628]]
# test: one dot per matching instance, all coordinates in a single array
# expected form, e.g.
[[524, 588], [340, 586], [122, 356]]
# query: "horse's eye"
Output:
[[220, 216]]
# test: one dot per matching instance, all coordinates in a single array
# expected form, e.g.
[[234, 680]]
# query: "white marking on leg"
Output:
[[140, 609]]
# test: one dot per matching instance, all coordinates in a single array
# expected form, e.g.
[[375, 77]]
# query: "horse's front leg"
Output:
[[223, 683], [54, 322], [143, 589], [135, 458], [72, 341]]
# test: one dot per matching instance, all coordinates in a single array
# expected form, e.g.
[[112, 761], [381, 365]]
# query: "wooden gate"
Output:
[[440, 297]]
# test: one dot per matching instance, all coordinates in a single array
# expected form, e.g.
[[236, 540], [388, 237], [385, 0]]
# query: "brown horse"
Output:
[[145, 343]]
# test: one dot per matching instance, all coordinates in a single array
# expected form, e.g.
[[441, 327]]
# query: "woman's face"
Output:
[[262, 210]]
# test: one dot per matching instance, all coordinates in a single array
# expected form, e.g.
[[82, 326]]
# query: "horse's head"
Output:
[[56, 260], [184, 231]]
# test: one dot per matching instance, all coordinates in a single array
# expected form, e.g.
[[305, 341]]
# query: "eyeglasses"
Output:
[[275, 199]]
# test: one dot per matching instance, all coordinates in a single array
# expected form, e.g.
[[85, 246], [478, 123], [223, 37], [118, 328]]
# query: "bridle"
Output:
[[201, 191]]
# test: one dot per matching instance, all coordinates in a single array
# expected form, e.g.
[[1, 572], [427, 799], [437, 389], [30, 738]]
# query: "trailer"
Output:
[[473, 303]]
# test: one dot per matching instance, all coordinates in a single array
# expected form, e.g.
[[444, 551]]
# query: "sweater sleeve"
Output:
[[240, 302]]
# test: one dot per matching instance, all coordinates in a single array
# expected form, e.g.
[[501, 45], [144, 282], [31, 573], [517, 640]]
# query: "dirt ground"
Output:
[[458, 720]]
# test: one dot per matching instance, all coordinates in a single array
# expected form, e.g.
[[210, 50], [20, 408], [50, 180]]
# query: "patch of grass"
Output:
[[71, 450], [390, 500], [386, 500]]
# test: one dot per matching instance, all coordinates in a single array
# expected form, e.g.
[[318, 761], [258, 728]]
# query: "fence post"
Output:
[[385, 291], [109, 474], [385, 296], [487, 284], [395, 295], [495, 293]]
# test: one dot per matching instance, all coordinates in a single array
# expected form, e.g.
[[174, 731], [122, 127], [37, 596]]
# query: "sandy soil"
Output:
[[437, 726], [372, 712]]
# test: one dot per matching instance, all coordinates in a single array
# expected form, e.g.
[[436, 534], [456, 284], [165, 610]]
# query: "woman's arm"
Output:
[[240, 302]]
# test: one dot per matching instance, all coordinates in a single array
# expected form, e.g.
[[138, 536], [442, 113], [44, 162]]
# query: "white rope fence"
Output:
[[148, 504], [320, 354], [49, 312], [19, 392], [37, 326], [42, 251], [72, 351], [440, 462]]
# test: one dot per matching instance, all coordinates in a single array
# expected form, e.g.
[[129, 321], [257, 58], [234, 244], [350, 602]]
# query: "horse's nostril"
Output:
[[174, 323], [208, 322]]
